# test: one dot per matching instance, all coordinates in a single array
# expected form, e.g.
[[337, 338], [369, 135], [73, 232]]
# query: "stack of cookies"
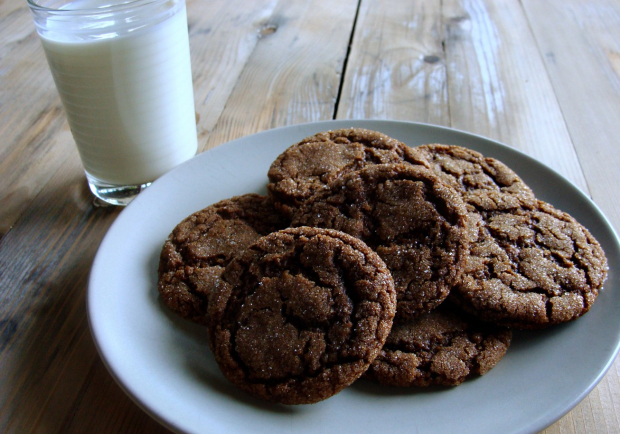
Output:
[[407, 266]]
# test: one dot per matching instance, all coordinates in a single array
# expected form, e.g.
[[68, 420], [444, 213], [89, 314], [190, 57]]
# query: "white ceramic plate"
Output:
[[165, 365]]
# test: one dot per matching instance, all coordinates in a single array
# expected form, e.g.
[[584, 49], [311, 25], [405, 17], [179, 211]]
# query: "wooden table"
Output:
[[542, 76]]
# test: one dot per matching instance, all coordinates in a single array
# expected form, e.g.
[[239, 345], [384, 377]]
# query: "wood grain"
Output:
[[396, 66], [35, 137], [220, 49], [293, 74], [43, 359]]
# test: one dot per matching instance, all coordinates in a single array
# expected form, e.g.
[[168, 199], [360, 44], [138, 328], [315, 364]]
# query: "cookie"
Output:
[[484, 182], [413, 220], [531, 267], [199, 247], [441, 347], [305, 312], [308, 166]]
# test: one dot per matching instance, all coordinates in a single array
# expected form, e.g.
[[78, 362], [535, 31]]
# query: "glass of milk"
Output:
[[122, 69]]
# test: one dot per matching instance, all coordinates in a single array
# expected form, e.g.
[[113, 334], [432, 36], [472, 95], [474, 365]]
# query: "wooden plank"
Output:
[[498, 84], [396, 66], [116, 413], [50, 372], [220, 48], [293, 74], [35, 137], [44, 263]]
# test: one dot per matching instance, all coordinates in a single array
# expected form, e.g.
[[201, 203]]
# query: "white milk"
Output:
[[143, 122]]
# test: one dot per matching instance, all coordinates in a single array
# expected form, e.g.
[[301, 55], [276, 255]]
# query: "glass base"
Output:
[[119, 195]]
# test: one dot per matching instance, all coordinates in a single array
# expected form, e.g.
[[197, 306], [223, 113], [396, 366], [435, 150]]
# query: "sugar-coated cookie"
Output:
[[413, 220], [305, 312], [199, 247], [531, 267], [441, 347], [308, 166]]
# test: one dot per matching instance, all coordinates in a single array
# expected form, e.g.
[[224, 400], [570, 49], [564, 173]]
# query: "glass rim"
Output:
[[106, 9]]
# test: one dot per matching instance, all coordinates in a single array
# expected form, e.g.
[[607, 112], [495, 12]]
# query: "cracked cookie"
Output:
[[308, 166], [531, 267], [200, 246], [413, 220], [304, 313], [484, 182], [441, 347]]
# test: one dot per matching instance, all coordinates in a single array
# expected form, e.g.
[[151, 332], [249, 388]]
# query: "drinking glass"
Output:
[[123, 72]]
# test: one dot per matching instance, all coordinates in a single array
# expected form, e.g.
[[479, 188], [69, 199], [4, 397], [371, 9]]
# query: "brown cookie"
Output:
[[441, 347], [308, 166], [305, 313], [414, 221], [530, 268], [485, 183], [199, 248]]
